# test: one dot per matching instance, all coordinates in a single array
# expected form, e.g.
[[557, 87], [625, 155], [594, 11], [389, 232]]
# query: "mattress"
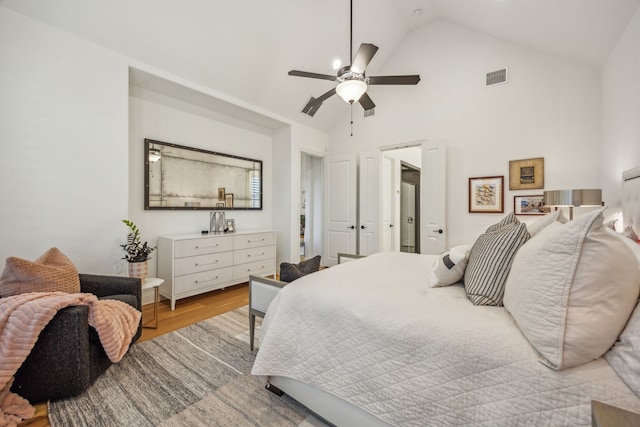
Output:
[[373, 334]]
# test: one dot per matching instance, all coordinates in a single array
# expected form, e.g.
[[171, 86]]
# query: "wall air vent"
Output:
[[496, 77]]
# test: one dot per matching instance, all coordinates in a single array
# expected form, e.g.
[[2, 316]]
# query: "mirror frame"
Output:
[[147, 144]]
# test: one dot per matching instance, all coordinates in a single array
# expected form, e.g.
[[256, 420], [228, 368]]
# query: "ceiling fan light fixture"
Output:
[[351, 90]]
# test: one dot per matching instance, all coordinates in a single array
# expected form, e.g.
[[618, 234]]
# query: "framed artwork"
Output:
[[526, 174], [230, 226], [220, 205], [529, 205], [221, 193], [228, 200], [486, 194]]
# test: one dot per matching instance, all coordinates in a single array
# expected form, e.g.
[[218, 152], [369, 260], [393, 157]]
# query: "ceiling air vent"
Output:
[[496, 77]]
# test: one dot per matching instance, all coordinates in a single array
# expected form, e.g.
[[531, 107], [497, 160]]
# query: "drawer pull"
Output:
[[255, 269], [206, 263], [252, 241], [260, 254], [206, 280], [205, 247]]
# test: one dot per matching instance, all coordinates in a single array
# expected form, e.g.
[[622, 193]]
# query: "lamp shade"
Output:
[[351, 90], [572, 198]]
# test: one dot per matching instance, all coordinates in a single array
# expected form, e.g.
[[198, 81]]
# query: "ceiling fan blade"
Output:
[[363, 57], [367, 104], [311, 75], [394, 80], [311, 108]]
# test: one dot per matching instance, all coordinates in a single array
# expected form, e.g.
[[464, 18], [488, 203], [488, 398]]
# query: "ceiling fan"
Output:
[[352, 81]]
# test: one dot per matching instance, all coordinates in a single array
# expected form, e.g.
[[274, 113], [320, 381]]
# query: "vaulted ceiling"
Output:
[[244, 48]]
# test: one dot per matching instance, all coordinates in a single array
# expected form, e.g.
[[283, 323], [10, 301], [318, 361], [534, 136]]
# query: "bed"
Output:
[[370, 343]]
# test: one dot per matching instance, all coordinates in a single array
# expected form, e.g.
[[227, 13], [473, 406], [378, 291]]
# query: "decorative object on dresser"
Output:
[[230, 226], [191, 264], [216, 222], [486, 194], [136, 252], [193, 178], [526, 174]]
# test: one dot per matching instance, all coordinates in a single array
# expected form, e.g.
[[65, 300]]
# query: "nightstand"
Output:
[[603, 415], [261, 292], [148, 283]]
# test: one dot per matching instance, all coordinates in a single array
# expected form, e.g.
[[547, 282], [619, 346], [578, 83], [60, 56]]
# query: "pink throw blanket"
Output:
[[24, 316]]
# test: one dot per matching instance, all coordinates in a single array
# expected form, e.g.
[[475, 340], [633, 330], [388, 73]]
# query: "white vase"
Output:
[[138, 269]]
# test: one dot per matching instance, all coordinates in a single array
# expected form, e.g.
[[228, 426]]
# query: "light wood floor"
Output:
[[189, 310]]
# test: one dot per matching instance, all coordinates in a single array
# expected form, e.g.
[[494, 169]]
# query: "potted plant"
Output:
[[136, 252]]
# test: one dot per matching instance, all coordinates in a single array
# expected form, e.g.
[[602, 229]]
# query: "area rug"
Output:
[[195, 376]]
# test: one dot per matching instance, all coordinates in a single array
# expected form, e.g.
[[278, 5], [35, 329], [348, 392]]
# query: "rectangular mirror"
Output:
[[179, 177]]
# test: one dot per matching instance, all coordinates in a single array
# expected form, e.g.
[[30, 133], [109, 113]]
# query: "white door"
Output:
[[369, 202], [433, 198], [340, 208], [388, 204]]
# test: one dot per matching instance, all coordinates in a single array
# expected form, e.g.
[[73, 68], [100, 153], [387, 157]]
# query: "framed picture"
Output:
[[228, 200], [486, 194], [220, 205], [526, 174], [529, 205], [221, 193], [230, 226]]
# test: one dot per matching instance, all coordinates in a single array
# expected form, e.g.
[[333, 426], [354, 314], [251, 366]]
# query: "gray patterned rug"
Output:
[[196, 376]]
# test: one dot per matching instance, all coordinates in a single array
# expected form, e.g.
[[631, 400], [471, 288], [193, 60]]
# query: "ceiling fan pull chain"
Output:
[[351, 105]]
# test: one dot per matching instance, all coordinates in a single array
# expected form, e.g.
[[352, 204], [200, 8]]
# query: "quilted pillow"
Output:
[[534, 227], [507, 220], [290, 272], [490, 261], [449, 267], [572, 289], [53, 271]]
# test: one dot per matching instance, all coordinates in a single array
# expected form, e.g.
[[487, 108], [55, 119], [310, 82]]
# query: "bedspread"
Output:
[[373, 334]]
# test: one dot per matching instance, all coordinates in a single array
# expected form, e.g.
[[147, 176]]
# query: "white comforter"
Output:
[[373, 334]]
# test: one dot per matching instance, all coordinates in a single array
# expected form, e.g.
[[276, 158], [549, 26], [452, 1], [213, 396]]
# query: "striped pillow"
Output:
[[507, 220], [490, 261]]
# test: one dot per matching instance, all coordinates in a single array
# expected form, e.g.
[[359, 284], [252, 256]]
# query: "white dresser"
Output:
[[191, 264]]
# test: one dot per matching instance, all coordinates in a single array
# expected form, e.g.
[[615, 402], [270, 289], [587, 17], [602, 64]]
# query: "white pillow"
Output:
[[449, 267], [624, 356], [539, 224], [572, 289]]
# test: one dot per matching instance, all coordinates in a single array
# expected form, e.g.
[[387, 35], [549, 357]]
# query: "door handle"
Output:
[[351, 227], [438, 231]]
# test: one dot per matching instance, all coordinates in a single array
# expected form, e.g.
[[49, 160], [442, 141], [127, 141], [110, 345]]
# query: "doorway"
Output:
[[311, 205], [409, 208]]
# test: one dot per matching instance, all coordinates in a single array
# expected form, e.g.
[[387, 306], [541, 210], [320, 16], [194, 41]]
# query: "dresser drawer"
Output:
[[254, 254], [254, 240], [200, 263], [206, 279], [257, 268], [191, 247]]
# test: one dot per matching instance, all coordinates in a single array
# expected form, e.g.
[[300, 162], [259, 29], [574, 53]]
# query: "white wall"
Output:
[[63, 146], [621, 111], [166, 119], [549, 108]]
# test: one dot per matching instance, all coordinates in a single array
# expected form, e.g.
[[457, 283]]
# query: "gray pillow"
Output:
[[290, 272], [490, 261]]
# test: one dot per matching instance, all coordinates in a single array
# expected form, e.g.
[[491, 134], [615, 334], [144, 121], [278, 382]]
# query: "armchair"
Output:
[[68, 355]]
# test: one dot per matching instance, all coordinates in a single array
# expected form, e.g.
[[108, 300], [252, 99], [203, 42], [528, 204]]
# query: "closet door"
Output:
[[340, 208], [370, 207], [433, 198]]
